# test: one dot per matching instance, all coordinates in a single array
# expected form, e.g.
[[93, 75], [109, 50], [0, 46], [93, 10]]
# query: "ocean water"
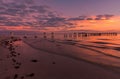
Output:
[[101, 49]]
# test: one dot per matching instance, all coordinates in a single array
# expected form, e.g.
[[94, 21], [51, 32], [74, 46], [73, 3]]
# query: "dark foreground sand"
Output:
[[20, 61]]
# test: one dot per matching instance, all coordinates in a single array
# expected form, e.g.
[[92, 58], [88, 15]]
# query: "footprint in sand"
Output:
[[17, 65], [14, 60]]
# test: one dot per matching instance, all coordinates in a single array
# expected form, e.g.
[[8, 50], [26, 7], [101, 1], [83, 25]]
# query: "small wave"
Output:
[[101, 42], [104, 39]]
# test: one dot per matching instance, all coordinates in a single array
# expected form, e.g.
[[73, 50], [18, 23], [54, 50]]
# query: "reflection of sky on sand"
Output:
[[106, 48], [99, 49], [42, 56]]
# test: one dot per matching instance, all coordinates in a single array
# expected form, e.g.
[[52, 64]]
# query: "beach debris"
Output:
[[53, 62], [13, 60], [25, 37], [44, 35], [18, 53], [17, 64], [15, 76], [12, 55], [16, 67], [34, 60], [30, 75], [35, 36], [22, 77], [58, 45], [52, 35]]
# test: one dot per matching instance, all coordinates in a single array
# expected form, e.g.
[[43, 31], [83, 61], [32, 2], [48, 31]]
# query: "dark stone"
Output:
[[30, 75], [15, 76], [13, 60], [22, 77], [34, 60], [16, 67], [53, 62]]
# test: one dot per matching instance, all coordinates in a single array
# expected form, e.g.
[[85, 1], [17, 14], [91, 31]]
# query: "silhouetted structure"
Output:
[[52, 35], [44, 35], [85, 34]]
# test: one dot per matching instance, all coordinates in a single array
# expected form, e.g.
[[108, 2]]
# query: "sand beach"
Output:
[[39, 58]]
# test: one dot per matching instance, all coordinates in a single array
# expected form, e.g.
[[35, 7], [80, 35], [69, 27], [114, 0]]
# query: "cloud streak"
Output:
[[96, 17], [25, 13]]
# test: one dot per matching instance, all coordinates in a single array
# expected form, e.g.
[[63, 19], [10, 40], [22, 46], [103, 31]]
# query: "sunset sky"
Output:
[[85, 7], [59, 15]]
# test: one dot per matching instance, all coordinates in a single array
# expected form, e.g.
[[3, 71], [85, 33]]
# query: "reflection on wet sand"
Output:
[[97, 45], [31, 55]]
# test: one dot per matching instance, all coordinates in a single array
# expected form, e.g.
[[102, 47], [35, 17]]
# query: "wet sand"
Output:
[[86, 51], [29, 60]]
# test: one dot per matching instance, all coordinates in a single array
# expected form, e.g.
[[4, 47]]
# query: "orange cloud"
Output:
[[15, 27], [111, 24]]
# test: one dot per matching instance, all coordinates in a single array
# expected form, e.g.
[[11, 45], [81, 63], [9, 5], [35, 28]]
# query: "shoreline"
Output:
[[69, 54], [50, 63]]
